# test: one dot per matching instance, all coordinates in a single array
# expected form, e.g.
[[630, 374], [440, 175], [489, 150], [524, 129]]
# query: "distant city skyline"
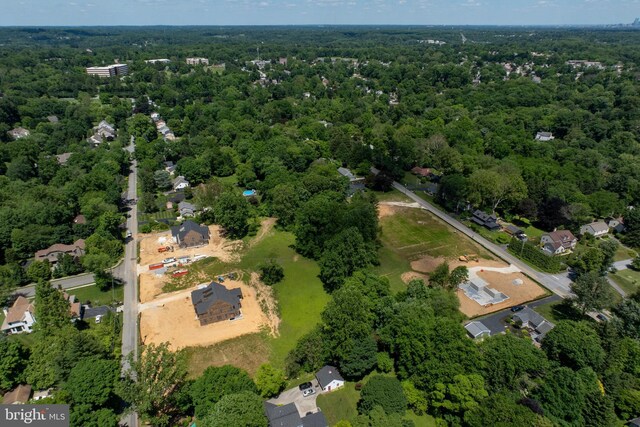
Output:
[[315, 12]]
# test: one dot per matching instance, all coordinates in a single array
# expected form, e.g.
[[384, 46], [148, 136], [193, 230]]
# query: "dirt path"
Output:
[[267, 302], [265, 227]]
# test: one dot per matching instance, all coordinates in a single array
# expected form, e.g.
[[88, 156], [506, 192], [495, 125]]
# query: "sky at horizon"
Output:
[[314, 12]]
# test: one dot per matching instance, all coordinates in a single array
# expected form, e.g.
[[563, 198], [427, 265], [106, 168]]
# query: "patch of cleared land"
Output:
[[218, 247], [415, 243], [298, 301], [171, 318]]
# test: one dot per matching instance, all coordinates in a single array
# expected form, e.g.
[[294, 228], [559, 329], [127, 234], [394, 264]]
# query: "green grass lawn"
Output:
[[628, 280], [623, 253], [558, 310], [392, 196], [340, 404], [300, 295], [421, 420], [96, 296], [143, 217]]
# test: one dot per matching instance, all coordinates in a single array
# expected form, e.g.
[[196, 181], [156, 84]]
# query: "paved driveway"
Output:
[[496, 322], [304, 404]]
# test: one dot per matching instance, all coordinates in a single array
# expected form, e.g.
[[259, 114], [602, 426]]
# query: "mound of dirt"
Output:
[[410, 275]]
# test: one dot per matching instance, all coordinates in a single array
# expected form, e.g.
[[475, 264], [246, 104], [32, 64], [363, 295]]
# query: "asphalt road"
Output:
[[294, 395], [128, 274], [29, 291], [558, 284]]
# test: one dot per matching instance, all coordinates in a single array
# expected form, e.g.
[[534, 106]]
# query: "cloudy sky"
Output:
[[276, 12]]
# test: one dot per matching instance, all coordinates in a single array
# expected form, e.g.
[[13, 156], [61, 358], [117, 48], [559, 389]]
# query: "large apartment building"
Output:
[[109, 71]]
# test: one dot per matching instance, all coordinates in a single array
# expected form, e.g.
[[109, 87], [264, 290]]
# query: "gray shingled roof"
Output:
[[179, 231], [204, 298], [476, 328], [327, 374], [283, 416]]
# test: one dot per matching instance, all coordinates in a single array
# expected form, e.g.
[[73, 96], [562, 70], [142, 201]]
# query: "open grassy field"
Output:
[[391, 196], [92, 294], [629, 280], [300, 296], [410, 234]]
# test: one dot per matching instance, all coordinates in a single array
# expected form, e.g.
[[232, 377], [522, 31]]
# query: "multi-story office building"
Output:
[[109, 71]]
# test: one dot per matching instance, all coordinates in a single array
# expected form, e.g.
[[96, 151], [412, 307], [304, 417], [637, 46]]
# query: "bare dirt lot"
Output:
[[171, 318], [218, 247], [518, 294]]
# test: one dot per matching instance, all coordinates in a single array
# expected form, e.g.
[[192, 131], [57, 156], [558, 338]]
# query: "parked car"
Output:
[[305, 386], [99, 318], [128, 234], [517, 308], [308, 392], [168, 260]]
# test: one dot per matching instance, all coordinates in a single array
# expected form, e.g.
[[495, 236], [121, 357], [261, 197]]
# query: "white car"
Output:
[[168, 260], [99, 318], [308, 392]]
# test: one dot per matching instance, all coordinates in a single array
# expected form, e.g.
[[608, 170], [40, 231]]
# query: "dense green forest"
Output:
[[287, 108]]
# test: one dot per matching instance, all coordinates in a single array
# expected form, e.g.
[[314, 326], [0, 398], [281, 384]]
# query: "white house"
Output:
[[19, 318], [596, 229], [329, 378], [180, 183], [544, 136], [558, 242]]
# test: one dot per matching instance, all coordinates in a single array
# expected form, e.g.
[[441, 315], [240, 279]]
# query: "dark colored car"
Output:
[[517, 308], [305, 386]]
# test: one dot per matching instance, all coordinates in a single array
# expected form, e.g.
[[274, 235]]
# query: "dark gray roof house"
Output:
[[528, 318], [327, 374], [189, 234], [215, 303], [288, 416], [485, 220]]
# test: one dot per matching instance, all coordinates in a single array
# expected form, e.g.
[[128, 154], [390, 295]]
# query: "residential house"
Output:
[[53, 119], [180, 183], [329, 378], [76, 250], [105, 130], [41, 394], [288, 416], [536, 79], [423, 172], [170, 136], [176, 197], [80, 219], [95, 140], [529, 319], [355, 183], [18, 396], [19, 318], [18, 133], [558, 242], [596, 229], [485, 220], [215, 303], [190, 234], [75, 309], [513, 230], [63, 158], [616, 224], [170, 167], [544, 136], [186, 209], [282, 60], [155, 116], [477, 329]]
